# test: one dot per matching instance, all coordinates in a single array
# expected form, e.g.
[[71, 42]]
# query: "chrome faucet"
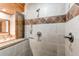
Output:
[[39, 34], [70, 37]]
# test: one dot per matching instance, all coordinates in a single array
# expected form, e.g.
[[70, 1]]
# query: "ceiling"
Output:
[[11, 8]]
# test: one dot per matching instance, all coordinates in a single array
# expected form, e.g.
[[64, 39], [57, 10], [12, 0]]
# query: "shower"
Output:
[[38, 12]]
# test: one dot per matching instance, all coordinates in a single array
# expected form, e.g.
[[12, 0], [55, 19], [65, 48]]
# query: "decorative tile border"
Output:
[[46, 20], [74, 11]]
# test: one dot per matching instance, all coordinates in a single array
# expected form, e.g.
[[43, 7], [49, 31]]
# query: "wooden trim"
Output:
[[17, 24], [10, 8], [20, 5], [9, 26], [5, 12]]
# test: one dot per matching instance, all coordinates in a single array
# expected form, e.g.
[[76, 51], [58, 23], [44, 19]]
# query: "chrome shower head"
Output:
[[38, 10]]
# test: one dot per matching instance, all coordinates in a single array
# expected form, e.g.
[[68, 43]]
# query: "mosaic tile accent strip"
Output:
[[46, 20], [74, 11]]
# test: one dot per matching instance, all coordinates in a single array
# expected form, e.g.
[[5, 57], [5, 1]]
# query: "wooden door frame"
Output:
[[17, 24]]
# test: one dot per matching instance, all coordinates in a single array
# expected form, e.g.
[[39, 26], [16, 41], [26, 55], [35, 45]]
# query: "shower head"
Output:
[[38, 10]]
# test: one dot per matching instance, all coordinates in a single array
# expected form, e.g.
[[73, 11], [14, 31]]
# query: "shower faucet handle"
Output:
[[70, 37], [39, 34]]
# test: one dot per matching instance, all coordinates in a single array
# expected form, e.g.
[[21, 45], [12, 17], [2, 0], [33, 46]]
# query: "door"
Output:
[[19, 25]]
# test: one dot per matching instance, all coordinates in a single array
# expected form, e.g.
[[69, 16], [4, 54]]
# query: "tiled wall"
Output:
[[50, 24], [74, 11], [72, 26], [46, 10], [52, 39], [19, 49]]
